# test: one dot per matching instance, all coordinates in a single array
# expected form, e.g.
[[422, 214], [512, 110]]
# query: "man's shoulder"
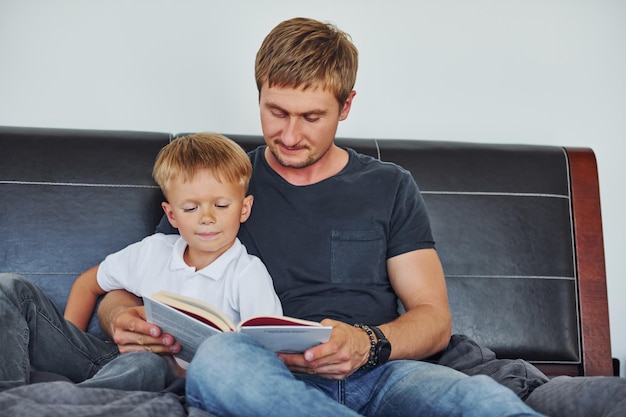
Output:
[[370, 164], [255, 153], [257, 159]]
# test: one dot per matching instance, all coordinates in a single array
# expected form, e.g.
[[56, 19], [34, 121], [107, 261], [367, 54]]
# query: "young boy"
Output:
[[204, 178]]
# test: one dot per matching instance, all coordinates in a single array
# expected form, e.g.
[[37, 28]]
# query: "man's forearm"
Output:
[[417, 339], [113, 303]]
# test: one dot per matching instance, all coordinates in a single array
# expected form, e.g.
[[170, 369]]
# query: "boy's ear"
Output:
[[169, 213], [246, 208]]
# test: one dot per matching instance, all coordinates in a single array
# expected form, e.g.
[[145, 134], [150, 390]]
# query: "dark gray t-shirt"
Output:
[[326, 245]]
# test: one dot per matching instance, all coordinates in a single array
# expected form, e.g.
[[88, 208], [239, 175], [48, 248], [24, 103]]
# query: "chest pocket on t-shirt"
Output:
[[357, 257]]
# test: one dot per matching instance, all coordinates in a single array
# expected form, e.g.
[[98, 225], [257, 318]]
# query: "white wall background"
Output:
[[533, 71]]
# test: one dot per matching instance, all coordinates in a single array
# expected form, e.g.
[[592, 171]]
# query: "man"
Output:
[[345, 237]]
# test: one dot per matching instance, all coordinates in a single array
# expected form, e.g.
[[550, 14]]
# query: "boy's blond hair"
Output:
[[301, 52], [183, 157]]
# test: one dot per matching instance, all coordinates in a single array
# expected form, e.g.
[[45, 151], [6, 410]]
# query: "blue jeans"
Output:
[[36, 338], [232, 375]]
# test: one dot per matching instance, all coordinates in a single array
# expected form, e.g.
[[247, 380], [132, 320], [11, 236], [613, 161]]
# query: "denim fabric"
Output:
[[232, 375], [36, 337]]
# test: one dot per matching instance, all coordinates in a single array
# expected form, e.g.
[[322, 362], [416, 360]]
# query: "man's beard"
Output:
[[306, 163]]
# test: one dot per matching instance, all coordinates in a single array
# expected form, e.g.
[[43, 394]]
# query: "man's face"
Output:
[[298, 125]]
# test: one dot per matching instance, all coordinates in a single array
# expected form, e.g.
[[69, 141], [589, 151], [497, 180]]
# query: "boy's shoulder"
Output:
[[243, 260], [156, 241]]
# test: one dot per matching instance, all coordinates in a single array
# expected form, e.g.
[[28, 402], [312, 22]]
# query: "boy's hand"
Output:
[[123, 318], [131, 332]]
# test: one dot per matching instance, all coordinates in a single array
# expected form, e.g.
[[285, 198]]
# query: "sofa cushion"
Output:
[[70, 197]]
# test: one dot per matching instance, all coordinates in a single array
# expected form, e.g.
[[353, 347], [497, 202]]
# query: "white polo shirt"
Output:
[[237, 283]]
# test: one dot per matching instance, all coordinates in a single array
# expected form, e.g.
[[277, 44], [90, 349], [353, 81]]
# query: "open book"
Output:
[[191, 321]]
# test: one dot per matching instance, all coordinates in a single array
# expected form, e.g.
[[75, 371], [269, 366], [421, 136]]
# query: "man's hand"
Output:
[[346, 351], [122, 316]]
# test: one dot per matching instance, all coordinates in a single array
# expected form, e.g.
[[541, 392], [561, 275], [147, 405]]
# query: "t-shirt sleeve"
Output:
[[410, 226]]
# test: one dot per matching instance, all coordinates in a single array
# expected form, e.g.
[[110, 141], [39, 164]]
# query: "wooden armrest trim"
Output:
[[589, 247]]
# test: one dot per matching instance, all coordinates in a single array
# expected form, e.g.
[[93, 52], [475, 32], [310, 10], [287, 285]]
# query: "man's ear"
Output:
[[246, 208], [345, 110], [169, 213]]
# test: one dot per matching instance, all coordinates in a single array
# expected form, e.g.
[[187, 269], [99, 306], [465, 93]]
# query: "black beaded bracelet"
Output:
[[371, 360]]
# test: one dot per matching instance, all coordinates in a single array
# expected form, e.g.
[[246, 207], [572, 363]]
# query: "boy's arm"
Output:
[[83, 297]]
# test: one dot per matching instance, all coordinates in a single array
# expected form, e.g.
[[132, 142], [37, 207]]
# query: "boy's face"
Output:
[[299, 126], [207, 214]]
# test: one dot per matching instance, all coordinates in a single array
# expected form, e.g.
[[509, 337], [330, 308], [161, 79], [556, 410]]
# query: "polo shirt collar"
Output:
[[216, 270]]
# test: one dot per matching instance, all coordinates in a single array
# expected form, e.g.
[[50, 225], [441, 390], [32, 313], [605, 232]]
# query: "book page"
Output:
[[187, 331], [288, 339], [196, 308], [276, 321]]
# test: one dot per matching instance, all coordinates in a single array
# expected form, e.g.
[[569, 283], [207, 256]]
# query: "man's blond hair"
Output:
[[183, 157], [301, 52]]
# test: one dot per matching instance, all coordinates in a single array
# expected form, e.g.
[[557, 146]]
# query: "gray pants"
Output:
[[37, 340], [581, 397], [558, 397]]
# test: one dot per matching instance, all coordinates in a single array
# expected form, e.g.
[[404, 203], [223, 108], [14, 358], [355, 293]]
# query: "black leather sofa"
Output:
[[518, 229]]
